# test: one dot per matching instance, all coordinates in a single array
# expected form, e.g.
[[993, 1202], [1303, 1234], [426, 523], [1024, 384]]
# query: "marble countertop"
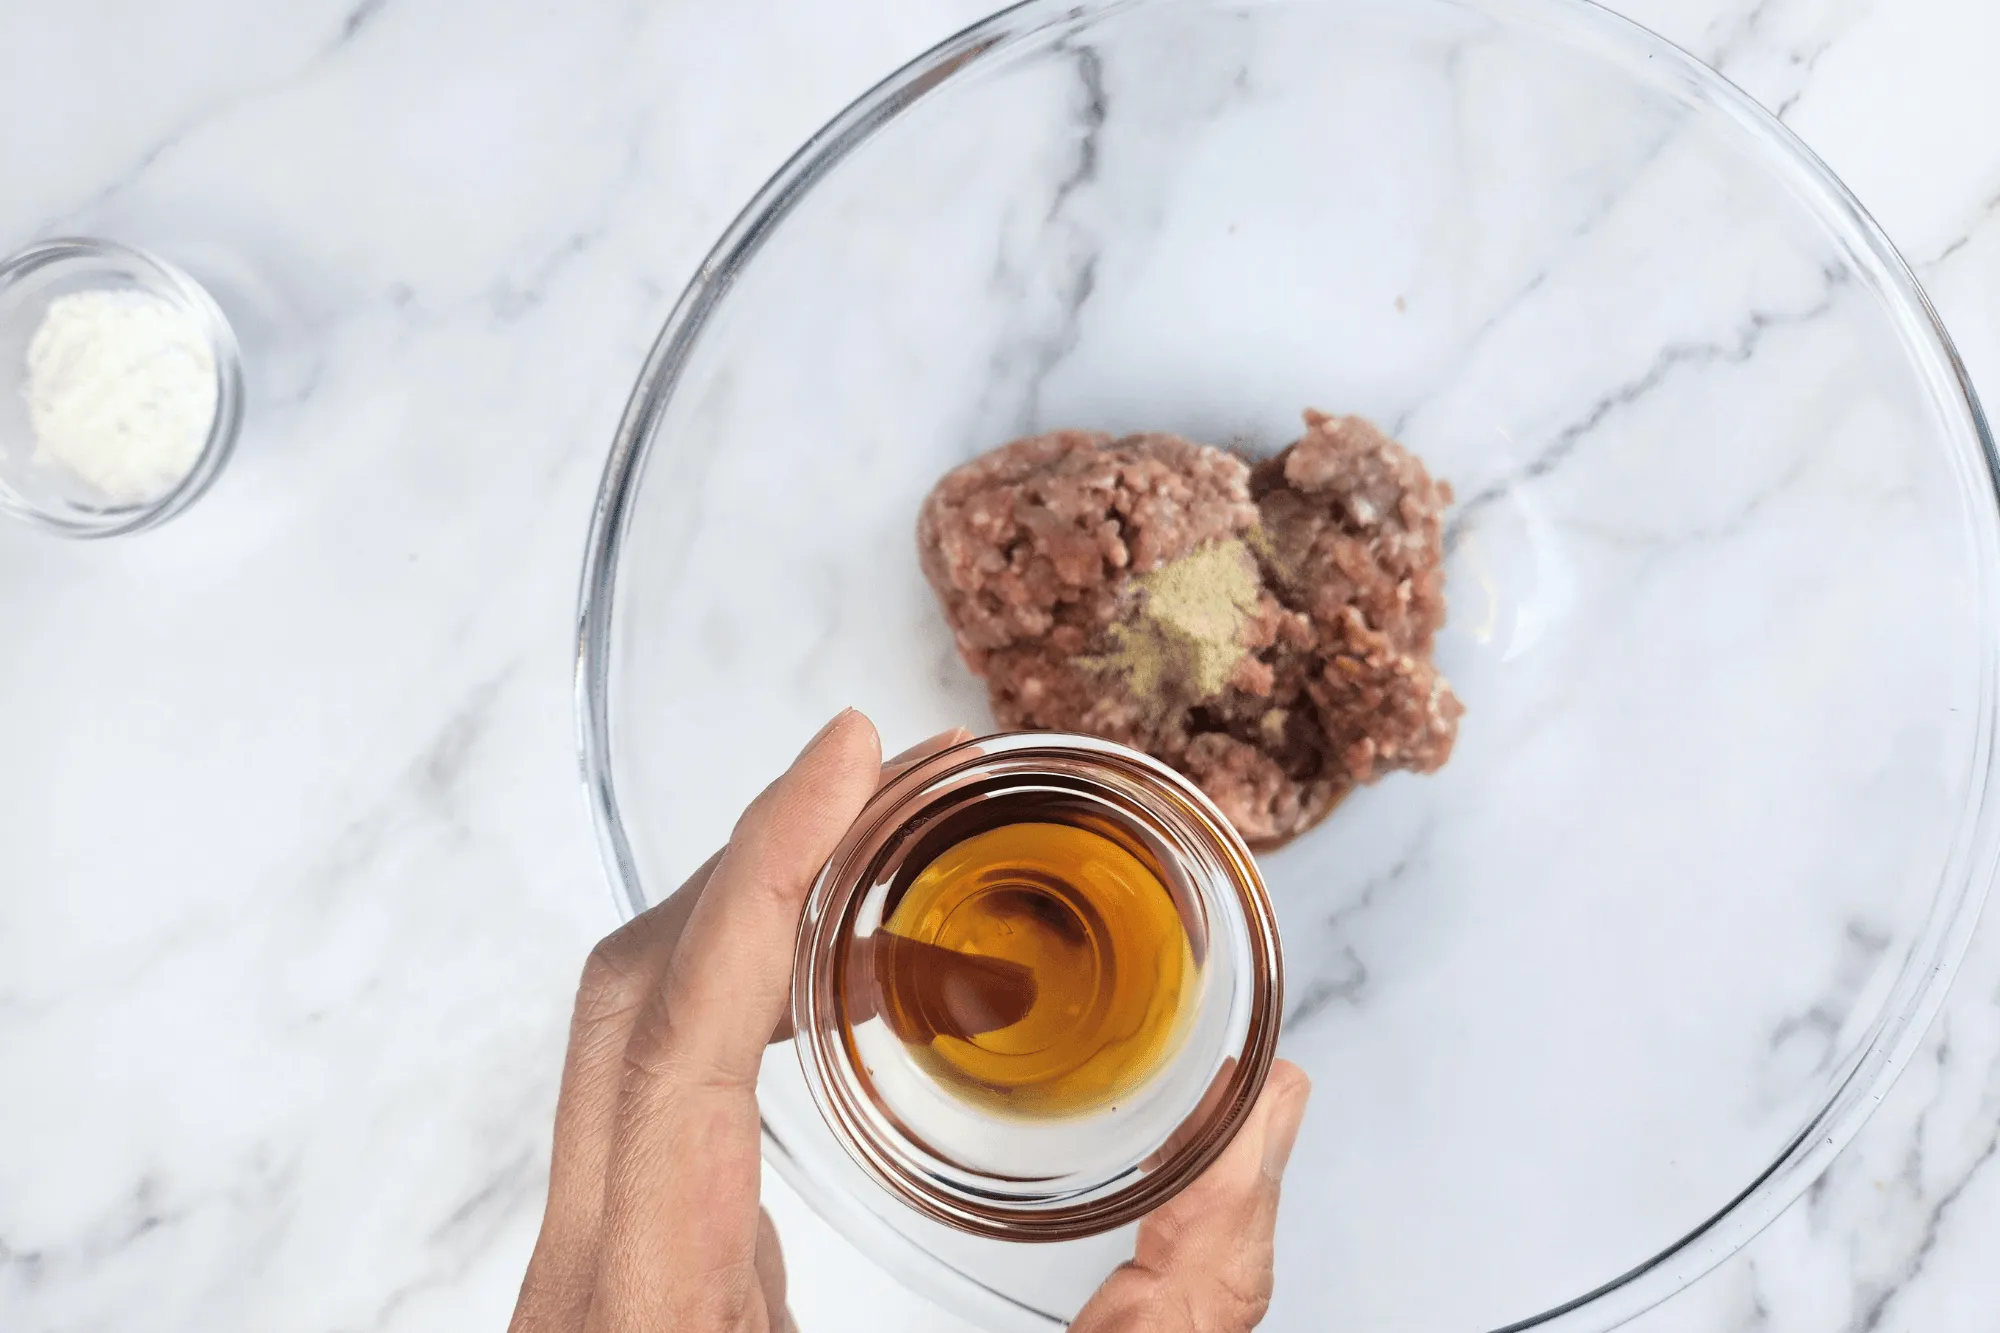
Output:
[[295, 877]]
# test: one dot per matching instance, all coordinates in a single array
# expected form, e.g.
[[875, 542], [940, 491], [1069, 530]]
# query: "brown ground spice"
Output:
[[1184, 635]]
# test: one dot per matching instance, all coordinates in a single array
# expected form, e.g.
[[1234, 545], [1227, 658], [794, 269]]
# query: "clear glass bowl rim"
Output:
[[1974, 856], [222, 431]]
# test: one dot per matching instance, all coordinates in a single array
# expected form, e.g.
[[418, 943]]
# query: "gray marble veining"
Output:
[[287, 933]]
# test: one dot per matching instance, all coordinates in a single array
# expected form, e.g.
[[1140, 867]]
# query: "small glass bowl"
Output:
[[1018, 1176], [47, 495]]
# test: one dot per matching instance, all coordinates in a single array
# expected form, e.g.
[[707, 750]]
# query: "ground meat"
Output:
[[1046, 554], [1031, 544]]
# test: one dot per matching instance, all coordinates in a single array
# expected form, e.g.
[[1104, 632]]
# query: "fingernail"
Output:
[[914, 750], [824, 732], [942, 741], [1283, 1131]]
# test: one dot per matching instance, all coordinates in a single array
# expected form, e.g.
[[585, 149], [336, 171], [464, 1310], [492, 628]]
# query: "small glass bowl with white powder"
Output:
[[121, 388]]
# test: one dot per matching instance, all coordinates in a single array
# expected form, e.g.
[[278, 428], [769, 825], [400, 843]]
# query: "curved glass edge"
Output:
[[221, 335], [915, 1179], [901, 1257], [1974, 857], [1932, 962]]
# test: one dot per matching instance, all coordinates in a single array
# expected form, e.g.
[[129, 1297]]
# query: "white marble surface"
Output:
[[294, 877]]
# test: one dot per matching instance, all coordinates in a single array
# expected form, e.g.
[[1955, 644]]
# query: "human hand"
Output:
[[653, 1221], [1203, 1262]]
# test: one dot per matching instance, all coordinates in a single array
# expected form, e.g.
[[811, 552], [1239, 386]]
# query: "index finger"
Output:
[[1203, 1260], [730, 978], [680, 1210], [625, 971]]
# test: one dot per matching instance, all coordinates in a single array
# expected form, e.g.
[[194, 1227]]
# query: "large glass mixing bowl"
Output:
[[1589, 1007]]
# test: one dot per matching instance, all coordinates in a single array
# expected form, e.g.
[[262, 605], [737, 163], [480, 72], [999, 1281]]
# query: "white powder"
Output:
[[121, 392]]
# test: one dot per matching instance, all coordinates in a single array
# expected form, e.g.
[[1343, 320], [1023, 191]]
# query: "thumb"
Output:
[[1203, 1261]]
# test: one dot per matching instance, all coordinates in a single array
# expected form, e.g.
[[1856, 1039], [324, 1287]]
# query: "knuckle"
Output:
[[668, 1065], [651, 1053], [1197, 1287], [1151, 1301], [719, 1302], [755, 816], [1145, 1301], [1239, 1290], [611, 987], [1239, 1302]]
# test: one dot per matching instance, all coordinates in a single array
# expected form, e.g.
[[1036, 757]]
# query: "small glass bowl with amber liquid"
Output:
[[1038, 986]]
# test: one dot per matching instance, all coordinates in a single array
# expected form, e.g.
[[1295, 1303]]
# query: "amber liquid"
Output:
[[1037, 968]]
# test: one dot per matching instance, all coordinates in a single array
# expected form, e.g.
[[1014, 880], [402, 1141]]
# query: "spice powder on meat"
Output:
[[1184, 635]]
